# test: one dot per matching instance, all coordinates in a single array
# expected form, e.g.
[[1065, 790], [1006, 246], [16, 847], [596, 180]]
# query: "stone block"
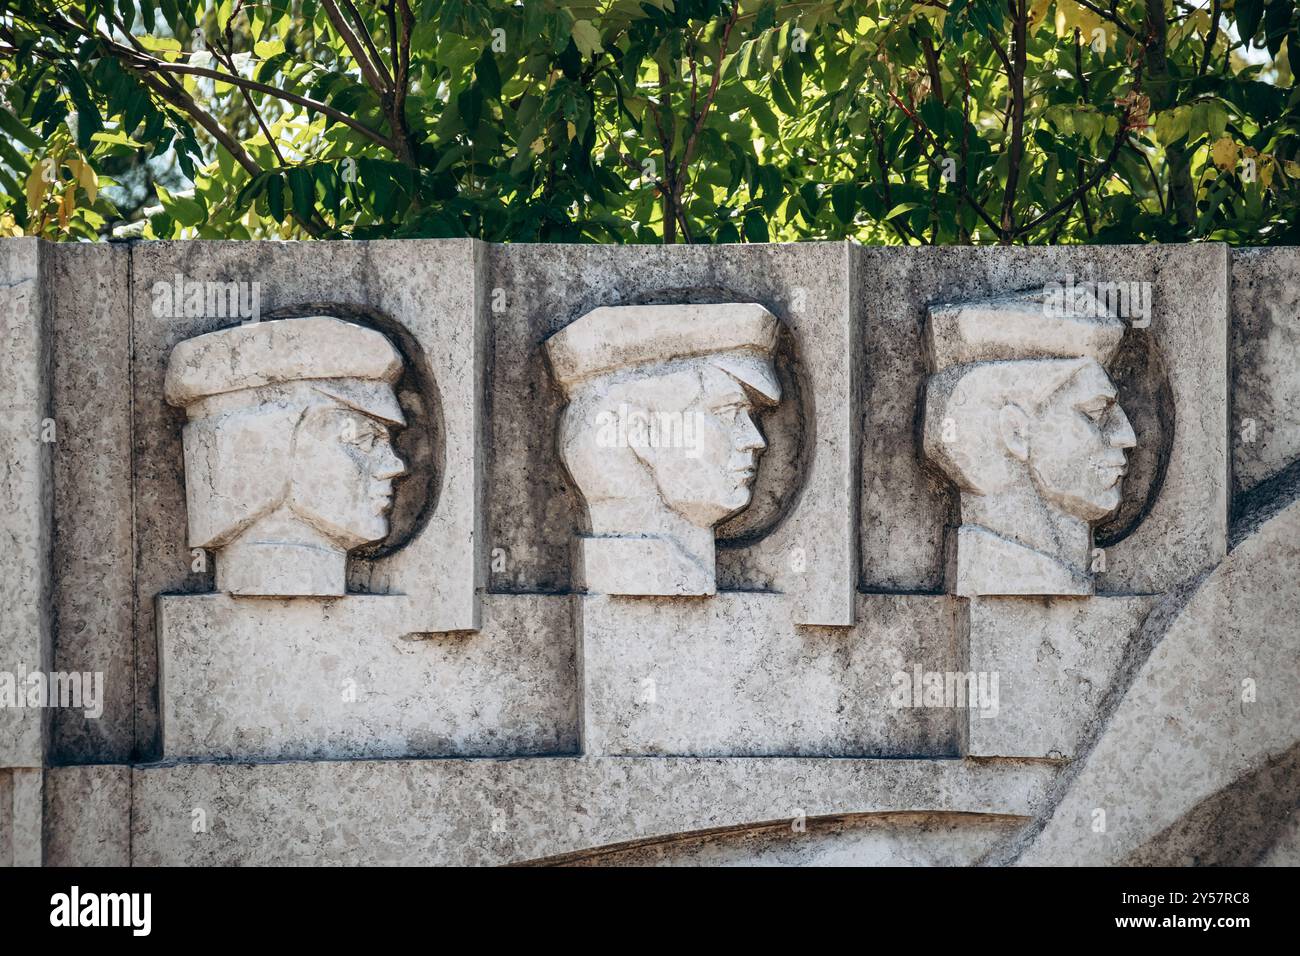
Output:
[[1056, 660], [88, 816], [303, 679], [491, 812], [21, 817], [1265, 427], [94, 561], [732, 675], [27, 437]]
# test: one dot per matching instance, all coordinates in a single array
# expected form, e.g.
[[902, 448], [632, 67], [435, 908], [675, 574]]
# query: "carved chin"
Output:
[[1100, 506]]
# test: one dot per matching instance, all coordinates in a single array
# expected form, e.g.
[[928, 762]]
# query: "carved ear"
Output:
[[636, 424], [1013, 425]]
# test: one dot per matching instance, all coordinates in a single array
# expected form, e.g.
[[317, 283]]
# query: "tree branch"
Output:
[[355, 47], [1017, 148]]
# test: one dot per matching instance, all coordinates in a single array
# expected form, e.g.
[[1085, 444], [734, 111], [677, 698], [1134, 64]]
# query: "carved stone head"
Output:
[[659, 435], [1022, 416], [289, 462]]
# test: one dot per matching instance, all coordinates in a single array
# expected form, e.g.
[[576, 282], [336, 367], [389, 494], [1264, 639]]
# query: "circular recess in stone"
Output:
[[787, 427], [421, 444], [1139, 374]]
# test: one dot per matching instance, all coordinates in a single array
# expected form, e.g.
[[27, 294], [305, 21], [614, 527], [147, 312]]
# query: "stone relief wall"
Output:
[[630, 518]]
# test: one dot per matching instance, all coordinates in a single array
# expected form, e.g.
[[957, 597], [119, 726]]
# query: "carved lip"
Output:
[[1118, 472], [382, 496]]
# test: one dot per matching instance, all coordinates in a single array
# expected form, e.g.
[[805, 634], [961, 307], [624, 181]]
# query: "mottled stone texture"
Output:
[[733, 676], [475, 812], [740, 727], [246, 678], [1213, 702], [894, 839], [20, 817], [88, 816], [1265, 430], [93, 500], [1055, 660], [26, 501], [1184, 512]]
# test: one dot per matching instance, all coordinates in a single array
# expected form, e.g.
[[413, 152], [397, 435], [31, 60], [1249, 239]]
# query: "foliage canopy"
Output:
[[914, 121]]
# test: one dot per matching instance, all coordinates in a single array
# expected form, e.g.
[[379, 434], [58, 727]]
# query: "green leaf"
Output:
[[1248, 14], [303, 189], [755, 226], [901, 208], [275, 196], [487, 75], [11, 125], [844, 201]]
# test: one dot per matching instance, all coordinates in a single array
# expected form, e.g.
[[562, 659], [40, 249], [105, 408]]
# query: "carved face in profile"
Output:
[[1077, 446], [707, 476], [342, 474], [1056, 423]]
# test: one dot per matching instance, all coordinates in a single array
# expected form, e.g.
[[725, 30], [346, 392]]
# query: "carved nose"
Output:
[[1121, 433], [749, 437], [390, 466]]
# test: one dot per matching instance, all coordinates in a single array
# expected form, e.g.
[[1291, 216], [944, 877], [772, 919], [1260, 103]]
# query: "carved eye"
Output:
[[1097, 410], [365, 440], [727, 412]]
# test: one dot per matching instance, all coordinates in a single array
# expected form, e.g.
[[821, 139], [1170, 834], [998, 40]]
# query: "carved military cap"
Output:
[[355, 365], [1036, 325], [738, 338]]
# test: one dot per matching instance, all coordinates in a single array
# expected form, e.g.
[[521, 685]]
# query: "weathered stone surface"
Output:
[[26, 498], [423, 295], [1212, 702], [20, 817], [476, 812], [894, 839], [1265, 427], [1286, 851], [94, 562], [796, 536], [1055, 660], [732, 675], [658, 436], [88, 816], [256, 679], [730, 716], [1176, 524]]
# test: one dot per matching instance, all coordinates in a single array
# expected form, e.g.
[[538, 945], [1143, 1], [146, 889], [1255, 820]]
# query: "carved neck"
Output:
[[284, 558], [1020, 515], [689, 548]]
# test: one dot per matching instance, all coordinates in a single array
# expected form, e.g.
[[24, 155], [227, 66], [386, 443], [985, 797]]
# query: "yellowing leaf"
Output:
[[36, 186], [573, 130], [1070, 15], [1037, 12], [66, 206], [586, 38], [1224, 153], [1266, 166], [89, 182]]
